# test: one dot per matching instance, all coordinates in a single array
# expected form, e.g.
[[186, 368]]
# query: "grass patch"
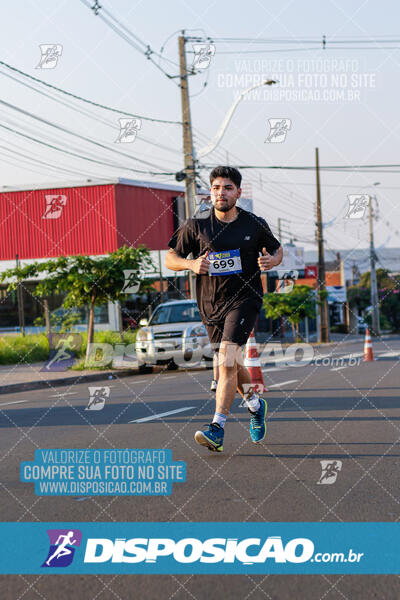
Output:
[[16, 349]]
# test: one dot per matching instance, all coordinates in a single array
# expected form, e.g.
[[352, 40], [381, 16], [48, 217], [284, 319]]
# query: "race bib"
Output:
[[226, 262]]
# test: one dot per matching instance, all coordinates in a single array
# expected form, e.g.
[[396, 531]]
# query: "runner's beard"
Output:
[[224, 205]]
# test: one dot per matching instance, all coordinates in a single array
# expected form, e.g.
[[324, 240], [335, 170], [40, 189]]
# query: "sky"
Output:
[[342, 100]]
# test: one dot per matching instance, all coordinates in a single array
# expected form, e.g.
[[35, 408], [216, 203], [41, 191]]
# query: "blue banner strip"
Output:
[[203, 548]]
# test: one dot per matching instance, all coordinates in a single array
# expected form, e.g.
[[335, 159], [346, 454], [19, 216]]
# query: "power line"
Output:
[[34, 160], [78, 135], [53, 147], [391, 39], [340, 168], [324, 42], [275, 194], [86, 113], [276, 50], [334, 185], [132, 39], [97, 104]]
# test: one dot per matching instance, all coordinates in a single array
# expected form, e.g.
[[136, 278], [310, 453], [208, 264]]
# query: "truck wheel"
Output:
[[145, 369], [172, 366]]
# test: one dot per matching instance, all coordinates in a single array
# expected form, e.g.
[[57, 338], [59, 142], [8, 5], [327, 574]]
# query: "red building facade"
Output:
[[92, 218]]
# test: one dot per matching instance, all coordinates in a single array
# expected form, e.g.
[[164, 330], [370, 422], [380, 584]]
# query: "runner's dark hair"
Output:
[[227, 172]]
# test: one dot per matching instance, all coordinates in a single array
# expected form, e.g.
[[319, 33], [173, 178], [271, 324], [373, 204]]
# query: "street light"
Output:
[[216, 140], [373, 280]]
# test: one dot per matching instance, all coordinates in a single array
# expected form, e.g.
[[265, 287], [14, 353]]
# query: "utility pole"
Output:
[[280, 219], [374, 285], [324, 320], [281, 322], [188, 153], [161, 278], [20, 302]]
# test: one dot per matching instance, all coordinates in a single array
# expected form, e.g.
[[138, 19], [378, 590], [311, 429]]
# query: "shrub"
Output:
[[16, 349]]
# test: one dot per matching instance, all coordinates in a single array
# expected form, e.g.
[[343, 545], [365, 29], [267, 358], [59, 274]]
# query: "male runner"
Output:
[[226, 247]]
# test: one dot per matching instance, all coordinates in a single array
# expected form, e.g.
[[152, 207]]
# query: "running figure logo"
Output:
[[54, 206], [278, 129], [97, 397], [330, 470], [50, 54], [358, 204], [202, 55], [63, 543], [132, 281], [128, 130], [62, 356], [286, 279]]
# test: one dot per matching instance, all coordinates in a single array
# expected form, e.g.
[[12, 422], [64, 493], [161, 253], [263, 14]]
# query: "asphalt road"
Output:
[[316, 412]]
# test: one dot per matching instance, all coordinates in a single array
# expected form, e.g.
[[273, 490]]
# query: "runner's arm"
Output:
[[198, 265], [176, 263]]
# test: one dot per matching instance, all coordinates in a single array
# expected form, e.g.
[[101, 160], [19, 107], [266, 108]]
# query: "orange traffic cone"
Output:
[[252, 362], [368, 354]]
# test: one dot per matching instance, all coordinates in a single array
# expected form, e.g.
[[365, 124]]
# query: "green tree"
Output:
[[87, 281], [359, 296], [294, 305]]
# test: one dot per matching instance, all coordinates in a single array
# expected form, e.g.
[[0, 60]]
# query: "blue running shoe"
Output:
[[258, 426], [212, 437]]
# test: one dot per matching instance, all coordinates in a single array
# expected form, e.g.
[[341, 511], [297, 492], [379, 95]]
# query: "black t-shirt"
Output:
[[218, 294]]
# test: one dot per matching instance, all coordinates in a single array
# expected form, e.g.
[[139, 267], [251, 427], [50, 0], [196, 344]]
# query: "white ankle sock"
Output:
[[253, 403], [220, 419]]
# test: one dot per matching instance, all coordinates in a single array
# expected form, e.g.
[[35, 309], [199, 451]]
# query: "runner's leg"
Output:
[[214, 382], [243, 378], [228, 381]]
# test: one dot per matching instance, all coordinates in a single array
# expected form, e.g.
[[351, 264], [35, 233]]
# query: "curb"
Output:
[[37, 385]]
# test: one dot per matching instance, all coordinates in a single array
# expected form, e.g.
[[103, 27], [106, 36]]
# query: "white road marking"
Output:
[[353, 355], [273, 369], [159, 415], [169, 377], [339, 368], [63, 394], [389, 355], [15, 402], [281, 384]]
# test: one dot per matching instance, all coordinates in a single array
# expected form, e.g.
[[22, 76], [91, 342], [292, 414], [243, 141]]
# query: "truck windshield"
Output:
[[175, 313]]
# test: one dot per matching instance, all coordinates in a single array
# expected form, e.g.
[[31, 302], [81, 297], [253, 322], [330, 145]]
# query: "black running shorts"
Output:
[[236, 327]]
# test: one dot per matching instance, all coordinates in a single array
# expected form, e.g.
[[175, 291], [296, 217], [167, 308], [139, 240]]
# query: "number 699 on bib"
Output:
[[225, 262]]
